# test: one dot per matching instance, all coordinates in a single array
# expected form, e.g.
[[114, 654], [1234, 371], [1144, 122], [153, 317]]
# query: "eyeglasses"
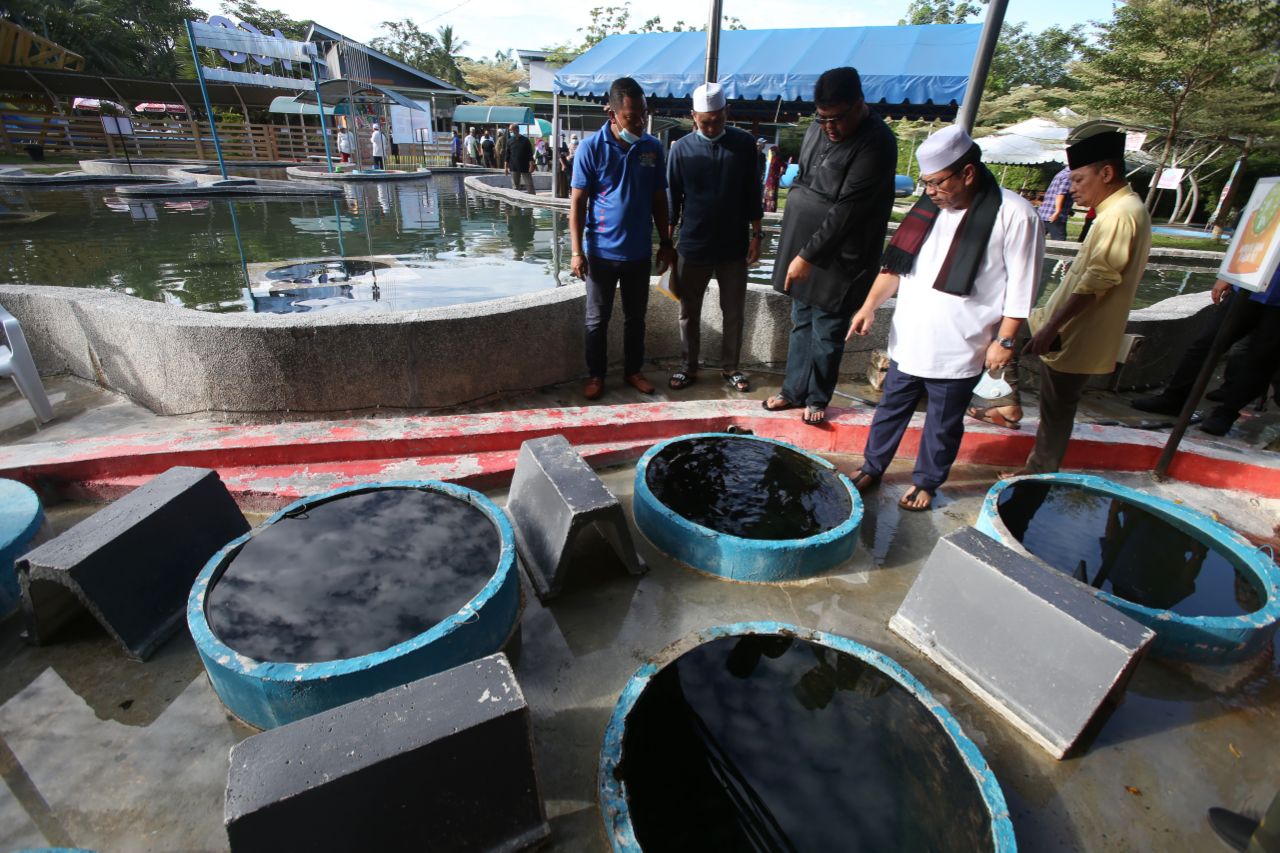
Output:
[[936, 183], [830, 119]]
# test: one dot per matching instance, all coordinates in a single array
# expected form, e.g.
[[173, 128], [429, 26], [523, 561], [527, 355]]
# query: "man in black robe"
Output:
[[833, 230]]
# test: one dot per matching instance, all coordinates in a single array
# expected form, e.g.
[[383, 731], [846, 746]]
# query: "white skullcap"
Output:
[[708, 98], [943, 148]]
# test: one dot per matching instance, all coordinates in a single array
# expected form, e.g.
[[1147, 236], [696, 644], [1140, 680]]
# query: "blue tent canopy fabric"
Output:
[[908, 64]]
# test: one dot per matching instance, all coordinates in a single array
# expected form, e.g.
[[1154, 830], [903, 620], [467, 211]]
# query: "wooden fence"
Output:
[[83, 137]]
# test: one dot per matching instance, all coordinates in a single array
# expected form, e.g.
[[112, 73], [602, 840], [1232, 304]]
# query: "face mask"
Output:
[[627, 136], [710, 138]]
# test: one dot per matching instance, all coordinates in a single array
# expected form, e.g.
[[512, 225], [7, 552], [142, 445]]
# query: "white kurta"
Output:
[[937, 335], [379, 143]]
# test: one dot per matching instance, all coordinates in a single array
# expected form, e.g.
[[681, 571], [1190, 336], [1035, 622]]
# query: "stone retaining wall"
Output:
[[174, 360]]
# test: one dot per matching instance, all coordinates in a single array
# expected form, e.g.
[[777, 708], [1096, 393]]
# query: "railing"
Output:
[[419, 154], [80, 137]]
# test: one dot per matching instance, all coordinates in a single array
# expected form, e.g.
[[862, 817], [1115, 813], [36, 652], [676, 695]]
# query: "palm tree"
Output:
[[449, 52]]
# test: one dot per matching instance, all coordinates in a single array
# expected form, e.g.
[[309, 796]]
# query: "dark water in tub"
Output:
[[353, 575], [1131, 553], [768, 743], [746, 488]]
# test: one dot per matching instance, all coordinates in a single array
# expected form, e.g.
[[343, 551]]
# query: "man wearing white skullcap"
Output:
[[716, 201], [965, 265]]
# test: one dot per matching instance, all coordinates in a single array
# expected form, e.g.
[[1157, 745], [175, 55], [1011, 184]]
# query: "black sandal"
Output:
[[783, 404], [864, 482], [912, 493], [815, 416], [680, 380], [738, 381]]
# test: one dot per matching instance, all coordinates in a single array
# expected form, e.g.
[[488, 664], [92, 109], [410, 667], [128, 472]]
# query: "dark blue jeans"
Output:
[[814, 351], [943, 424], [604, 277]]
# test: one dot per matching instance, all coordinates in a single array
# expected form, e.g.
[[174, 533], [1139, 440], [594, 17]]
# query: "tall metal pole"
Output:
[[555, 148], [982, 63], [713, 41], [204, 92], [324, 128]]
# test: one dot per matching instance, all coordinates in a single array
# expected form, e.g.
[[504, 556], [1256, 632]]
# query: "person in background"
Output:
[[542, 155], [619, 196], [346, 143], [379, 143], [832, 233], [1078, 332], [566, 169], [500, 147], [455, 149], [774, 166], [714, 187], [1055, 210], [1248, 372], [473, 147], [1089, 215], [965, 267], [488, 148], [519, 163]]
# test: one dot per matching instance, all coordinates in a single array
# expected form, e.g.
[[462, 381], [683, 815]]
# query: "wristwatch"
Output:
[[757, 234], [1007, 343], [666, 244]]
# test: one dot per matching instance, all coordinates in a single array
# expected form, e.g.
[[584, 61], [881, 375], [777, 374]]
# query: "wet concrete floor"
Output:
[[103, 753]]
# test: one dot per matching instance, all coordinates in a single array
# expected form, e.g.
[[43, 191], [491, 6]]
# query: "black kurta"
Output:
[[837, 213]]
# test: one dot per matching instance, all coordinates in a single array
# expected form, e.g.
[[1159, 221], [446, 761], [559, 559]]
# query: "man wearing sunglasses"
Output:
[[832, 232], [619, 187]]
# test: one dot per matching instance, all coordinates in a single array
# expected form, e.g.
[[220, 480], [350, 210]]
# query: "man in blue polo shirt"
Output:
[[714, 182], [619, 187]]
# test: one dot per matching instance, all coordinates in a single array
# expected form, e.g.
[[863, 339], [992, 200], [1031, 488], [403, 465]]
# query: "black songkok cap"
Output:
[[1092, 149]]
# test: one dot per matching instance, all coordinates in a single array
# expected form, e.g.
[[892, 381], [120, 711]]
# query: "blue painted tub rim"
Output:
[[641, 491], [1250, 560], [299, 671], [613, 802]]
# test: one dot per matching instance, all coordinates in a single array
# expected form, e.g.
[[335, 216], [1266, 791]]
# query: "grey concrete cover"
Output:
[[1043, 652], [132, 563], [554, 496], [442, 763]]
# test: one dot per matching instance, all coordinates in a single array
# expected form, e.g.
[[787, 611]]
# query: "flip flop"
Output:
[[737, 380], [911, 494], [991, 416], [680, 380], [814, 415], [864, 482], [781, 404]]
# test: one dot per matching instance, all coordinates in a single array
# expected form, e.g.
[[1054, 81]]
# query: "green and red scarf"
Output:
[[967, 247]]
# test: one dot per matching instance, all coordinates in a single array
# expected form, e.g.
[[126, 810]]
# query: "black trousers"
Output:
[[1249, 370], [604, 278]]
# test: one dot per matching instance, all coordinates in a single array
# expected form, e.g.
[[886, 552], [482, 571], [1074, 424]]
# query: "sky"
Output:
[[491, 25]]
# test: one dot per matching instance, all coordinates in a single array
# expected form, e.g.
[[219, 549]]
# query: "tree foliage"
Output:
[[1204, 67], [438, 54], [606, 21], [940, 12], [133, 38], [265, 19], [493, 79]]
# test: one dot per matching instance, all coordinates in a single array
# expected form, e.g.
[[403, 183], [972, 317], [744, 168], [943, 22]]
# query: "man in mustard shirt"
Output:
[[1078, 332]]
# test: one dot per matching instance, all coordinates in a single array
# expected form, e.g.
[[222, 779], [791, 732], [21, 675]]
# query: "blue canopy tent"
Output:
[[918, 71]]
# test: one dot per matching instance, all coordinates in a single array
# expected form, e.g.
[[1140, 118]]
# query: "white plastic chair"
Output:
[[17, 364]]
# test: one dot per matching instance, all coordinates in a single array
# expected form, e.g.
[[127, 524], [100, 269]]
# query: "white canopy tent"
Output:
[[1034, 142]]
